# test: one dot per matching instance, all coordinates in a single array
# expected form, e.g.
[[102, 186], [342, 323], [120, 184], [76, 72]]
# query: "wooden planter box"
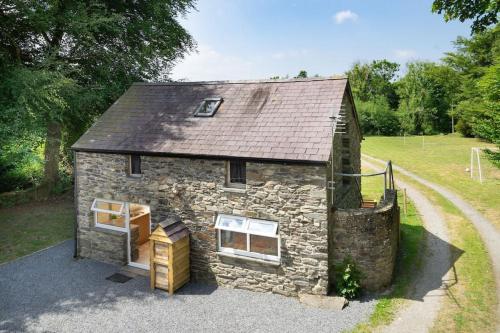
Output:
[[169, 256]]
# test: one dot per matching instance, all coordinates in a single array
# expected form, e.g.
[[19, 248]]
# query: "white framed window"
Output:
[[208, 107], [248, 237], [110, 214]]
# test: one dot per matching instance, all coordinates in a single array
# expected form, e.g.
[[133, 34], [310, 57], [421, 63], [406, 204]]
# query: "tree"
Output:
[[374, 90], [371, 80], [427, 92], [65, 61], [377, 118], [476, 60], [302, 75], [483, 13]]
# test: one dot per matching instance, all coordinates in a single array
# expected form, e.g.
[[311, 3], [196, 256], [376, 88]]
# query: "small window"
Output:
[[208, 107], [346, 168], [248, 237], [236, 174], [135, 165], [109, 214]]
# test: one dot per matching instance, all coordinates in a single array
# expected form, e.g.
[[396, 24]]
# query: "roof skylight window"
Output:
[[208, 107]]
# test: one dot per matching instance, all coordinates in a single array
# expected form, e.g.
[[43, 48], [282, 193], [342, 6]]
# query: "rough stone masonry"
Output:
[[193, 189]]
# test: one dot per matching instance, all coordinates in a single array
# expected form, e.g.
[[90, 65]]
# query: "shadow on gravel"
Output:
[[52, 282], [432, 253]]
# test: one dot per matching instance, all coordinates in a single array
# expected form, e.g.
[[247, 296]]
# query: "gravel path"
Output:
[[488, 232], [430, 286], [50, 292]]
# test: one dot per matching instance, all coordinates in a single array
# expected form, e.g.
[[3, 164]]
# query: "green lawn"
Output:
[[443, 159], [31, 227]]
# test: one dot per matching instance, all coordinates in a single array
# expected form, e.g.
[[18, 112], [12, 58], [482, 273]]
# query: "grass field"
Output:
[[34, 226], [409, 258], [443, 159]]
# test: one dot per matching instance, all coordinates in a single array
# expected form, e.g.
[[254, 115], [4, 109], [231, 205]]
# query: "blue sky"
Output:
[[257, 39]]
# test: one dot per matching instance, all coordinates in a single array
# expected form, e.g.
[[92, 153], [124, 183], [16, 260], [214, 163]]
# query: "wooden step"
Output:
[[369, 204]]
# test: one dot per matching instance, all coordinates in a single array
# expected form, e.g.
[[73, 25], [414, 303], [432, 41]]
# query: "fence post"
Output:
[[471, 163], [404, 201], [385, 181], [478, 152]]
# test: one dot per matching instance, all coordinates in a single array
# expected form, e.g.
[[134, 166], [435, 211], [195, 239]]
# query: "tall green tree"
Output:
[[427, 92], [369, 81], [476, 60], [483, 13], [377, 118], [63, 62], [374, 89]]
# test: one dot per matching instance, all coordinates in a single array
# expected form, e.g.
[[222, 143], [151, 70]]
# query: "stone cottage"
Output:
[[253, 168]]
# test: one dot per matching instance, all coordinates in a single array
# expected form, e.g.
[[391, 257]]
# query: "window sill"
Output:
[[134, 176], [260, 261], [234, 190], [110, 229]]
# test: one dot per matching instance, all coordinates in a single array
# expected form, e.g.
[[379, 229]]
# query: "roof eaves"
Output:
[[200, 156]]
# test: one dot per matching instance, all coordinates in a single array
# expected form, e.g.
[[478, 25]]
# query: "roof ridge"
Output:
[[188, 83]]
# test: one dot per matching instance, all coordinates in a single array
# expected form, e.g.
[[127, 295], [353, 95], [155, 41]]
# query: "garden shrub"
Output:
[[347, 279]]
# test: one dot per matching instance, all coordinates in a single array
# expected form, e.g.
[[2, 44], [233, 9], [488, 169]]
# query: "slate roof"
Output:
[[285, 120]]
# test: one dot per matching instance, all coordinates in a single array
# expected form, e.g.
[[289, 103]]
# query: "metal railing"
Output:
[[387, 173]]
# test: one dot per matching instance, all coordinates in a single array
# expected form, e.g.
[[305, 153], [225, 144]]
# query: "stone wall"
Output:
[[370, 237], [103, 245], [347, 159], [293, 195]]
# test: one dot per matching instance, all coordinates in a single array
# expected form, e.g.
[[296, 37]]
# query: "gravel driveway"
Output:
[[430, 285], [50, 292]]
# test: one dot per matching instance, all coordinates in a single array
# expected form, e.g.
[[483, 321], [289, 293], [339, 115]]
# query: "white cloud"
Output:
[[345, 15], [405, 54], [208, 64]]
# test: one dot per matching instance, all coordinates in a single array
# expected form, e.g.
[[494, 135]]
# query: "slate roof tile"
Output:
[[282, 119]]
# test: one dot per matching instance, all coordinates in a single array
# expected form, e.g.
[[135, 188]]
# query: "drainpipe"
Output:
[[75, 199]]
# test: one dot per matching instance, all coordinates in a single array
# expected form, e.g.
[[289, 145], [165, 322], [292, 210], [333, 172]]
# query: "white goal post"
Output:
[[475, 152]]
